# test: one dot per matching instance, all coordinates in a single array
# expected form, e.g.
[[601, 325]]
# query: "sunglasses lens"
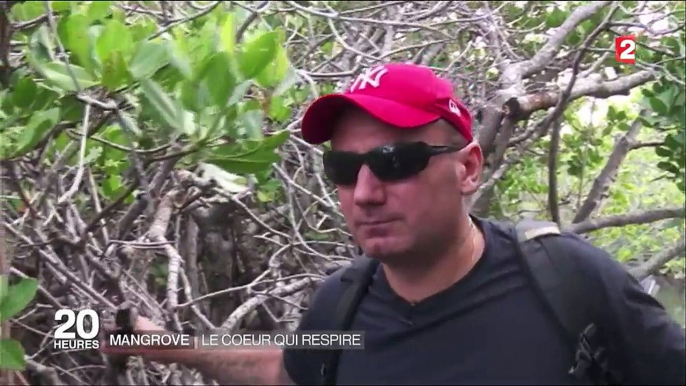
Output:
[[398, 162], [388, 163], [342, 168]]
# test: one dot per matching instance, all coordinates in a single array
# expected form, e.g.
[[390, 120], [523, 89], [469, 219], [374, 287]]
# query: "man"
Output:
[[449, 303]]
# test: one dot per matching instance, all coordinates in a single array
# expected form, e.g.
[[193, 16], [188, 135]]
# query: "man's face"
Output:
[[394, 221]]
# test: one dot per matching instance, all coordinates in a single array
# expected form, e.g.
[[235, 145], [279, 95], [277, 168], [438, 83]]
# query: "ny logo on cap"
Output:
[[453, 108], [371, 77]]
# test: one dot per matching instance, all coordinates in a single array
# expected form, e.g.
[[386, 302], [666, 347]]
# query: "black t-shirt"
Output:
[[491, 328]]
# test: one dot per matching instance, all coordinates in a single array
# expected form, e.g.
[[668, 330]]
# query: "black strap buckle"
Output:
[[591, 359]]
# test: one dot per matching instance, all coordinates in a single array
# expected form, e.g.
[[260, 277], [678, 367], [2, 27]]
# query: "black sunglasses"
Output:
[[388, 163]]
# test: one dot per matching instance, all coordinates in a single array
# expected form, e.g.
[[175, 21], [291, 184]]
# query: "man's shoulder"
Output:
[[576, 259], [590, 258], [587, 256]]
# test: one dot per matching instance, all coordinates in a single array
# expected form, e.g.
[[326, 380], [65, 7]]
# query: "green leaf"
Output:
[[227, 181], [18, 297], [119, 14], [228, 34], [242, 149], [11, 355], [44, 98], [607, 130], [672, 143], [327, 47], [93, 153], [278, 110], [668, 96], [663, 152], [59, 6], [149, 58], [658, 106], [167, 109], [668, 166], [276, 70], [98, 10], [114, 38], [130, 124], [71, 109], [239, 92], [647, 92], [24, 92], [680, 100], [219, 79], [114, 72], [25, 11], [194, 98], [277, 139], [180, 60], [574, 38], [649, 121], [258, 53], [556, 18], [57, 74], [245, 165], [4, 287], [574, 169], [73, 32], [291, 79], [112, 186], [38, 125], [143, 28], [252, 123]]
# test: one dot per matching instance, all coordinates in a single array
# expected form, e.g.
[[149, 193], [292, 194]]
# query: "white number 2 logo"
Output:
[[628, 50]]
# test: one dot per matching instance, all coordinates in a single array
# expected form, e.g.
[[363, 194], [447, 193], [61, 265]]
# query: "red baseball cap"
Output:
[[401, 95]]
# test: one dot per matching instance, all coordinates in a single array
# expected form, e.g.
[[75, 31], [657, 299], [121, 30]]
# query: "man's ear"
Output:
[[472, 161]]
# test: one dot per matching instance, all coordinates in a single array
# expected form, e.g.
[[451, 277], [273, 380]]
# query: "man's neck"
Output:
[[418, 282]]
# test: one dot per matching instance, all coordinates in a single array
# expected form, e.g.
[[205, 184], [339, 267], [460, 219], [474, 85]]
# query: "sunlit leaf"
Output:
[[228, 33], [258, 53], [114, 38], [18, 297], [11, 355], [39, 124], [114, 73], [219, 79], [149, 58], [276, 70], [24, 93], [163, 104], [57, 74], [73, 32], [98, 10]]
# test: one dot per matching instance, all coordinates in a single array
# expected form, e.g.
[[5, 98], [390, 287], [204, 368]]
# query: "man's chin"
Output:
[[383, 249]]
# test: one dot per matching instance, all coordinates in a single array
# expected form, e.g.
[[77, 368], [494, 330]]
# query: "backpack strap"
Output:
[[568, 296], [355, 280]]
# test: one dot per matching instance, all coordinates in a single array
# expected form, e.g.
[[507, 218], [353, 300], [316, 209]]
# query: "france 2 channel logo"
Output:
[[625, 49]]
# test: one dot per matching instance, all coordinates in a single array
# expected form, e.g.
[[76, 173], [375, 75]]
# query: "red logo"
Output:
[[625, 49]]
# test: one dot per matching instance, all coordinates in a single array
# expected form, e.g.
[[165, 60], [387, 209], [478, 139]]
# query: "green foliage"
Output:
[[589, 134], [667, 102], [650, 177], [13, 299], [194, 84]]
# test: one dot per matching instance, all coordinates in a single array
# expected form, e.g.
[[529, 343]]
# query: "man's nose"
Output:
[[369, 190]]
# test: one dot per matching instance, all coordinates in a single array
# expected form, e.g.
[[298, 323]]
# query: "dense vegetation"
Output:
[[150, 150]]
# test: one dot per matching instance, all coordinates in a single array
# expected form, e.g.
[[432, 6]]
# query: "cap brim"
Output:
[[318, 122]]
